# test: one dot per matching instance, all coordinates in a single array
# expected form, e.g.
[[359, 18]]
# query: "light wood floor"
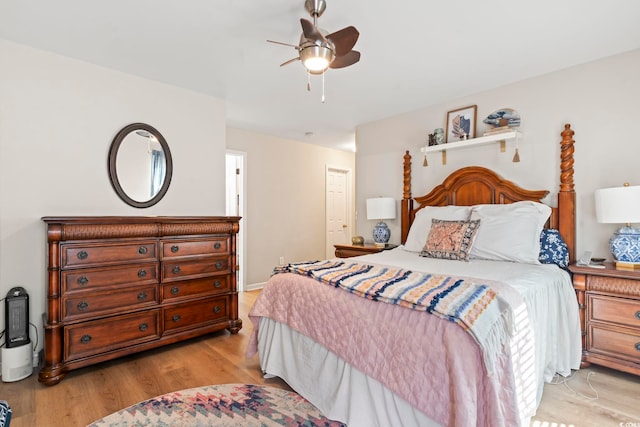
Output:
[[91, 393]]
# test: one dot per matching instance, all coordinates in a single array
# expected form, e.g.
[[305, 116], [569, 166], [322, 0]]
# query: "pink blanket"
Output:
[[430, 362]]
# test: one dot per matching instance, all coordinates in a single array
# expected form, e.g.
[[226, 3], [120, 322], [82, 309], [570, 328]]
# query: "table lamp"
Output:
[[381, 208], [621, 205]]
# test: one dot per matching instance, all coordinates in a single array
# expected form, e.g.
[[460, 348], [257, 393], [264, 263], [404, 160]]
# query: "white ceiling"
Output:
[[415, 53]]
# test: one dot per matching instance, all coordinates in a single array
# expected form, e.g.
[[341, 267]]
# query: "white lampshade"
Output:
[[621, 205], [618, 205], [381, 208]]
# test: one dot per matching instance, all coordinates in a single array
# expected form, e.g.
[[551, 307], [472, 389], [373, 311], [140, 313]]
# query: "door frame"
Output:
[[348, 203], [242, 211]]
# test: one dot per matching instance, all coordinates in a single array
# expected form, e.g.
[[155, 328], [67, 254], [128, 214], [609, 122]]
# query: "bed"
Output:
[[322, 328]]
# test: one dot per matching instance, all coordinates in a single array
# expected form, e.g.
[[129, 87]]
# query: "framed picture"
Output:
[[461, 124]]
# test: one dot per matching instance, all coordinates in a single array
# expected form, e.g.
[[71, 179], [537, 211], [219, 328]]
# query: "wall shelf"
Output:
[[500, 138]]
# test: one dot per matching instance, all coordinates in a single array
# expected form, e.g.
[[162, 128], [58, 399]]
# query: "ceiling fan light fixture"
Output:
[[316, 59]]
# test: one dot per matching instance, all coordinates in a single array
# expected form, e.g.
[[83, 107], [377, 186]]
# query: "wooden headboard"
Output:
[[477, 185]]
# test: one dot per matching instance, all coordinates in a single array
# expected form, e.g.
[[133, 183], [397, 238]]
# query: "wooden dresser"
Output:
[[120, 285], [609, 316]]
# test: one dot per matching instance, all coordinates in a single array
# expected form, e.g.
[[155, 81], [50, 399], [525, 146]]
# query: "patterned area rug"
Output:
[[220, 405]]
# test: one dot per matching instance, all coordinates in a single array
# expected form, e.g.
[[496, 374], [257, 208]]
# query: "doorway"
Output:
[[235, 206], [338, 209]]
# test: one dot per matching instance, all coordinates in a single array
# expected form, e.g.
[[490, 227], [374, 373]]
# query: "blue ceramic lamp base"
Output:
[[625, 248], [381, 234]]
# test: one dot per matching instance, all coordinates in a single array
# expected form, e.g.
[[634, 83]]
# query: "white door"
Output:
[[235, 165], [338, 216]]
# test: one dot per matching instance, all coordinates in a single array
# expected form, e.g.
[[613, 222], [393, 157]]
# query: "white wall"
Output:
[[58, 117], [285, 199], [598, 99]]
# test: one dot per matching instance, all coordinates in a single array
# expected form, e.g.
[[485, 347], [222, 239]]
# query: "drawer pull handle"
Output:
[[85, 339], [176, 269], [217, 309], [219, 265], [83, 255], [175, 290], [83, 305], [142, 250], [637, 315], [142, 273], [174, 249], [176, 317], [217, 245], [143, 327], [637, 346], [142, 296], [83, 280], [217, 284]]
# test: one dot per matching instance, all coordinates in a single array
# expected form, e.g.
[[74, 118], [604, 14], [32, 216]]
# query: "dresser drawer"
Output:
[[620, 311], [195, 313], [84, 255], [181, 270], [188, 288], [626, 287], [194, 248], [621, 343], [90, 304], [96, 278], [99, 336]]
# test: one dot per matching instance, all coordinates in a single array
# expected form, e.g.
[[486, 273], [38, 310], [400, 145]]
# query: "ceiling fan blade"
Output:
[[284, 44], [344, 40], [345, 60], [311, 32], [289, 61]]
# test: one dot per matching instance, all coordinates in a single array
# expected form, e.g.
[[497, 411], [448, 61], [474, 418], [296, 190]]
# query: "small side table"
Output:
[[347, 251], [609, 302]]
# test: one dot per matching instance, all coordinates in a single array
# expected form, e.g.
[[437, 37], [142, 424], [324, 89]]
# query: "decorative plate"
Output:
[[503, 117]]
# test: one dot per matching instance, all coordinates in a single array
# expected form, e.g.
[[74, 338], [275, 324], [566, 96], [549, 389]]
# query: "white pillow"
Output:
[[509, 232], [419, 231]]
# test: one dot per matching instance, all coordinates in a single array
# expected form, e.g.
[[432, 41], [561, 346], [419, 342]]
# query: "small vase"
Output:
[[357, 240]]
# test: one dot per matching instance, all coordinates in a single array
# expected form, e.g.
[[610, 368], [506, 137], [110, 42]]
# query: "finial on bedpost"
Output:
[[566, 159], [406, 192]]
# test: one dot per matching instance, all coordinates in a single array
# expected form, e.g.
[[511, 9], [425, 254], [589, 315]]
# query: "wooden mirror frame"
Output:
[[113, 174]]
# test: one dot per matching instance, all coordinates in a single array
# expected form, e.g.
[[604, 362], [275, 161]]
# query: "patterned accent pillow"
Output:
[[450, 239], [553, 249]]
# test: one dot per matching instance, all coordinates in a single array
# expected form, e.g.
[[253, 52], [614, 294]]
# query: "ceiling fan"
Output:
[[318, 50]]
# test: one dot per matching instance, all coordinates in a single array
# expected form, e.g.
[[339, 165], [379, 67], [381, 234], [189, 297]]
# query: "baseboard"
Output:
[[38, 357], [255, 286]]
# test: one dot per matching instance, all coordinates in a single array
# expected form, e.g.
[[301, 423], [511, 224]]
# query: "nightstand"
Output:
[[609, 302], [347, 251]]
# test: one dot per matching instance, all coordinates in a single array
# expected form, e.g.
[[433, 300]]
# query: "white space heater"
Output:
[[16, 353]]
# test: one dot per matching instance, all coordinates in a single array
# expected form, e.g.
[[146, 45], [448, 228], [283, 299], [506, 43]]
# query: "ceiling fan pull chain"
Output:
[[308, 81], [323, 73]]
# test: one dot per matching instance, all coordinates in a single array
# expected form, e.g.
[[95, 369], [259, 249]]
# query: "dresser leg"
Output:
[[50, 376], [235, 326]]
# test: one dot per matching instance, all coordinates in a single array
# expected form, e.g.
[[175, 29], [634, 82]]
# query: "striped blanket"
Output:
[[474, 306]]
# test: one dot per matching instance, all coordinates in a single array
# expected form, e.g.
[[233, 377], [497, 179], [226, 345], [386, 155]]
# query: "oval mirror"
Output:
[[140, 165]]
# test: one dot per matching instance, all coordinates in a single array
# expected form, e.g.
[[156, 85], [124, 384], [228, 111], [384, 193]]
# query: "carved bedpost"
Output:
[[407, 201], [567, 194]]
